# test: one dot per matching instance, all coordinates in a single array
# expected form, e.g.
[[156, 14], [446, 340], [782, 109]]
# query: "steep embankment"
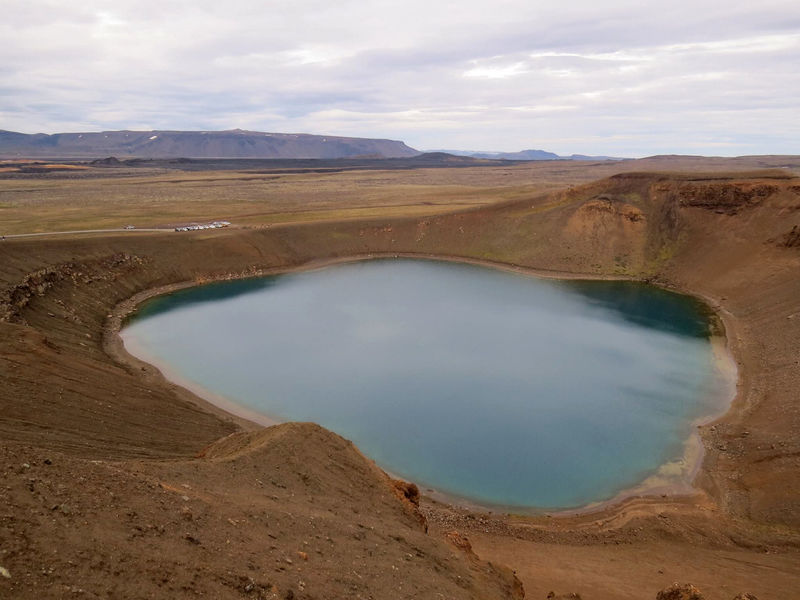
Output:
[[293, 511], [727, 238]]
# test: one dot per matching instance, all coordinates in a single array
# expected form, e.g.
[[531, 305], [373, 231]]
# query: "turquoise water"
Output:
[[496, 387]]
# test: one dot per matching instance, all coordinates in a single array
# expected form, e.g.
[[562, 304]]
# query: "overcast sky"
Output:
[[623, 78]]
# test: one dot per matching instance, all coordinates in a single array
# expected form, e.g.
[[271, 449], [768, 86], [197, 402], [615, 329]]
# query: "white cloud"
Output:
[[496, 71], [610, 78]]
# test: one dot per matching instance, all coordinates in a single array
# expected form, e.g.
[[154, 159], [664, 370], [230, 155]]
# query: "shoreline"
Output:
[[672, 480]]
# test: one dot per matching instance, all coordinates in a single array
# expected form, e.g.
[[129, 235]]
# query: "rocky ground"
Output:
[[293, 511]]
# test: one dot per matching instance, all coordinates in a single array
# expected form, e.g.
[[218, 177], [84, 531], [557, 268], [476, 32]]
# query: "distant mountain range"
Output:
[[235, 143], [525, 155]]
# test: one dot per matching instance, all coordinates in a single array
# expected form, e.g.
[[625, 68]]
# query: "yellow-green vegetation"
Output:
[[33, 205], [98, 198]]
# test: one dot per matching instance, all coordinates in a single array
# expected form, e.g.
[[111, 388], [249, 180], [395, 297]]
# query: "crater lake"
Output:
[[495, 387]]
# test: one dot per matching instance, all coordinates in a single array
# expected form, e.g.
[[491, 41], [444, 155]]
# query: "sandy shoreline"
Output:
[[675, 478]]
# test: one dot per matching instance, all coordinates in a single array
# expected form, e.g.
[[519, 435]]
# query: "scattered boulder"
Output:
[[569, 596], [460, 542], [408, 493], [679, 591], [407, 490], [792, 238]]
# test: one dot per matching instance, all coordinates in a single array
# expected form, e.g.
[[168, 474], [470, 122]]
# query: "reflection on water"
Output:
[[633, 302], [212, 292], [497, 387]]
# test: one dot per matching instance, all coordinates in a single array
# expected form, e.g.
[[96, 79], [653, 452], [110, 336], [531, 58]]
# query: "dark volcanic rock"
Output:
[[724, 198], [680, 592]]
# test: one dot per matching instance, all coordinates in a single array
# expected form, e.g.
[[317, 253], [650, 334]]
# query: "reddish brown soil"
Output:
[[98, 456], [289, 511]]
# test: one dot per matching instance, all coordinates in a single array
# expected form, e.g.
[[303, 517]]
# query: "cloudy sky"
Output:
[[620, 77]]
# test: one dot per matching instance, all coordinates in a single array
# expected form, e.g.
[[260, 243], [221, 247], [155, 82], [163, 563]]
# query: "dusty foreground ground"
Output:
[[117, 484], [293, 511]]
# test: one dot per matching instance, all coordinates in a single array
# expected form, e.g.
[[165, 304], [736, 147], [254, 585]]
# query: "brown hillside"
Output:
[[100, 452]]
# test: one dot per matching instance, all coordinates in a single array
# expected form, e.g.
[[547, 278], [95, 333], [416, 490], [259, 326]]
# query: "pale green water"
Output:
[[496, 387]]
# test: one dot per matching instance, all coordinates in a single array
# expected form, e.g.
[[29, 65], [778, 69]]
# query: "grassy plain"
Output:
[[251, 199], [101, 198]]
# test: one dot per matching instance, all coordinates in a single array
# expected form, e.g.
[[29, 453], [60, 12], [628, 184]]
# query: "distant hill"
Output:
[[521, 155], [525, 155], [235, 143], [448, 158], [585, 157]]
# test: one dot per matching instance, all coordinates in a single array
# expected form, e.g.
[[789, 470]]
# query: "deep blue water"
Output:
[[497, 387]]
